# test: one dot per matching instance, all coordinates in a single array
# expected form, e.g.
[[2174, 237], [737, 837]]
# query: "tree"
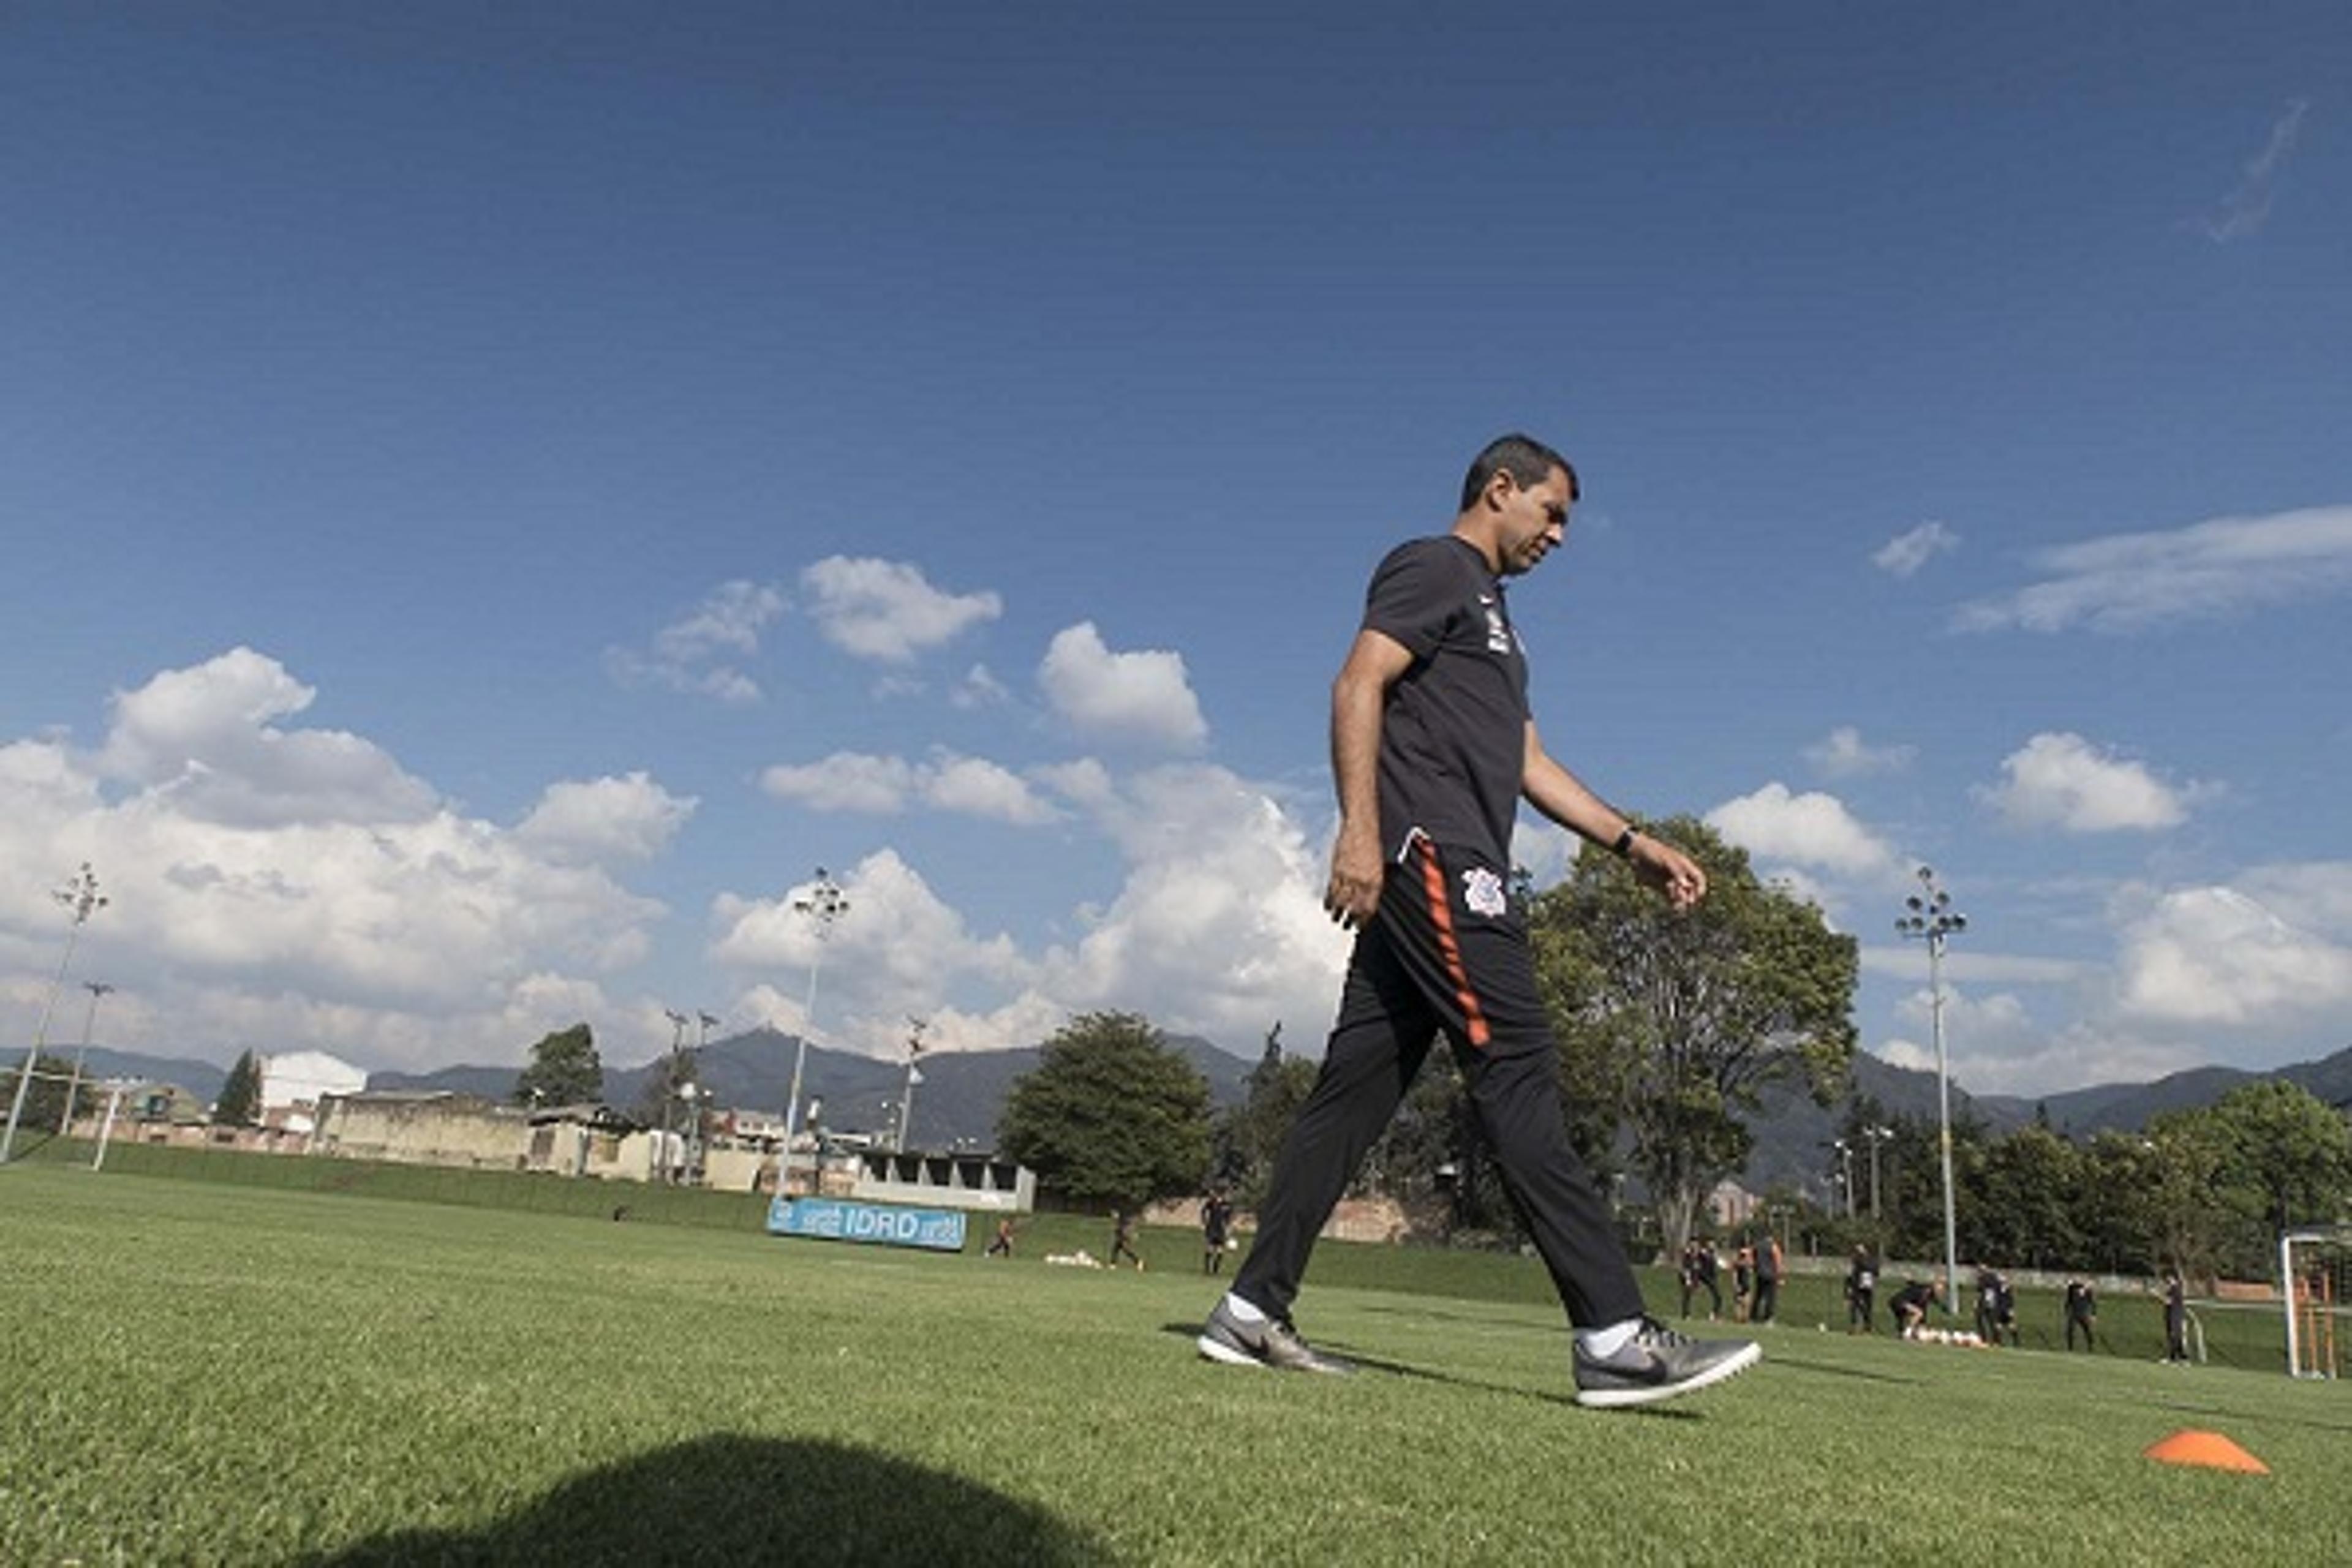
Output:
[[2289, 1151], [240, 1098], [45, 1102], [2028, 1186], [1110, 1114], [2185, 1209], [564, 1071], [1249, 1135], [1671, 1021]]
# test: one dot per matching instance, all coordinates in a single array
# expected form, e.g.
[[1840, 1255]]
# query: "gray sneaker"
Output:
[[1659, 1363], [1272, 1343]]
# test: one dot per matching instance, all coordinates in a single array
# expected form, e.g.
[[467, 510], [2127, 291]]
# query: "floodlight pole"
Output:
[[1876, 1135], [1845, 1173], [80, 895], [824, 904], [670, 1089], [907, 1100], [1930, 917], [97, 989]]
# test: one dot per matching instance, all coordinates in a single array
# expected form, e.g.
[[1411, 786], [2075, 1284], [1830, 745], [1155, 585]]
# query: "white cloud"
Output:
[[625, 818], [899, 949], [846, 780], [1843, 754], [1219, 927], [2243, 211], [1811, 829], [1904, 554], [2046, 1063], [296, 889], [979, 689], [1218, 930], [2225, 566], [977, 787], [1909, 961], [693, 654], [1138, 696], [2219, 957], [2060, 780], [204, 736], [884, 786], [886, 609]]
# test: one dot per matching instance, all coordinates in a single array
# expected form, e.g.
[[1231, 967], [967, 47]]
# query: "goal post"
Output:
[[2316, 1269]]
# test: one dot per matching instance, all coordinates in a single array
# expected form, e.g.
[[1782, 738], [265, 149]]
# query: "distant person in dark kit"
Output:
[[2176, 1317], [1911, 1305], [1861, 1292], [1216, 1231], [1710, 1276], [2081, 1313], [1995, 1302], [1769, 1265], [1434, 750], [1001, 1247], [1122, 1239], [1743, 1278]]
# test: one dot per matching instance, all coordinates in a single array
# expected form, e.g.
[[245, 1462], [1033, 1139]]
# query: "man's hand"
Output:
[[1660, 864], [1353, 895]]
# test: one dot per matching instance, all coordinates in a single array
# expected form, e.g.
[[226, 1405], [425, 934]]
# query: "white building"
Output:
[[292, 1085]]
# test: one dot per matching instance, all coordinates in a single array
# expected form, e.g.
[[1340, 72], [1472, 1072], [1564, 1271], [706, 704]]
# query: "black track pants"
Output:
[[1446, 954]]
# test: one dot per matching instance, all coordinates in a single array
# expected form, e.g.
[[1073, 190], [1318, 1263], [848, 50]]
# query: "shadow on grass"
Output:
[[751, 1500], [1423, 1375]]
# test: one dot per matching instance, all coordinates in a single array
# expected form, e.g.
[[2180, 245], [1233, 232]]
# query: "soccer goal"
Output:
[[2317, 1265]]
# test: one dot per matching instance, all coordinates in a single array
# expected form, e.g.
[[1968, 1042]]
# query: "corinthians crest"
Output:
[[1482, 890]]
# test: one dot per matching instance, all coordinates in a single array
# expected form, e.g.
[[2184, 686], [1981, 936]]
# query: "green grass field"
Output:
[[210, 1373]]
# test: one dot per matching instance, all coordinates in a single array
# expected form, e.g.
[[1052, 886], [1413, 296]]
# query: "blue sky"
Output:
[[494, 499]]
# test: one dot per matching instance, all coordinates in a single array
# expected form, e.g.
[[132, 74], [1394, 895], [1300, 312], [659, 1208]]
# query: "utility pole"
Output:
[[82, 900], [907, 1100], [1876, 1135], [73, 1086], [671, 1086], [823, 904], [1930, 917]]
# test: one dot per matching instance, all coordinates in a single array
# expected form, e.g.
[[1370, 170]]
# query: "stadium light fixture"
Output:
[[823, 904], [1876, 1135], [82, 900], [1928, 916]]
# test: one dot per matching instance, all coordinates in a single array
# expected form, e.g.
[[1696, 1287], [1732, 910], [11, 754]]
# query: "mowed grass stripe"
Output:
[[238, 1375]]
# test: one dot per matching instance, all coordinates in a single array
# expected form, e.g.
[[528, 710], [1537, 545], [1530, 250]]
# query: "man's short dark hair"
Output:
[[1528, 462]]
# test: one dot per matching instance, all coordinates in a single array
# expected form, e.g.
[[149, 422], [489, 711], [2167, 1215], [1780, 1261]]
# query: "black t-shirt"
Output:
[[1454, 734]]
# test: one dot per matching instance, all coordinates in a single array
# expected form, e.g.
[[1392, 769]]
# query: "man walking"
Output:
[[1433, 747]]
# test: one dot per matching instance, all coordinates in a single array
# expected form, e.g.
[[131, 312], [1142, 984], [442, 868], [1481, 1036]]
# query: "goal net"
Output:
[[2317, 1265]]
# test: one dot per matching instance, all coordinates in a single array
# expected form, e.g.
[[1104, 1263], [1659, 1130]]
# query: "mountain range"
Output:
[[960, 1093]]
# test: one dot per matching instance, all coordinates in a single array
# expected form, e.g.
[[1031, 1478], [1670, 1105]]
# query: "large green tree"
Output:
[[1671, 1021], [2027, 1196], [2289, 1152], [564, 1070], [239, 1104], [1111, 1114]]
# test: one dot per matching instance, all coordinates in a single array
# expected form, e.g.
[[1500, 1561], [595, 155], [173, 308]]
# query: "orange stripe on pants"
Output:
[[1441, 913]]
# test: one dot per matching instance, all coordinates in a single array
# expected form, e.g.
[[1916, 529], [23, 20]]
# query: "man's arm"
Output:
[[1375, 662], [1561, 796]]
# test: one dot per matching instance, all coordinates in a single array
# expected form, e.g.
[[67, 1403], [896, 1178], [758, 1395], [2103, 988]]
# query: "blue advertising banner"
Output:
[[838, 1219]]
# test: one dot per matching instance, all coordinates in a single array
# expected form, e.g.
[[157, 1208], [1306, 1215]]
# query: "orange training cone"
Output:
[[2210, 1449]]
